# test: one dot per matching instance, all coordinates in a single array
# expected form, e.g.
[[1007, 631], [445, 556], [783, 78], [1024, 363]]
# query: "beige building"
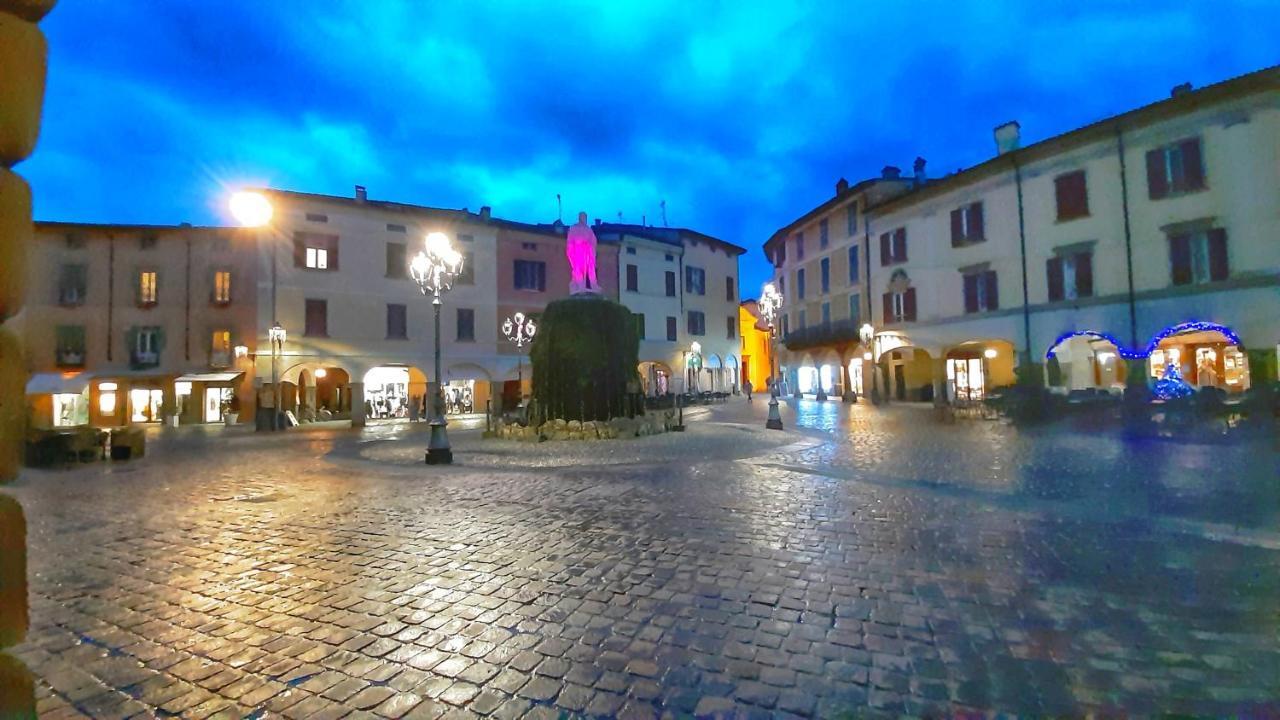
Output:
[[1147, 237], [137, 323]]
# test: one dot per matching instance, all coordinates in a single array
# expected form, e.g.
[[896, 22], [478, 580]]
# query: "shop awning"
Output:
[[209, 377], [58, 383]]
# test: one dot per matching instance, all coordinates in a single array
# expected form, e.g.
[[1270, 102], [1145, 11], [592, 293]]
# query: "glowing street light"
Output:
[[770, 307], [251, 209], [434, 269], [519, 331]]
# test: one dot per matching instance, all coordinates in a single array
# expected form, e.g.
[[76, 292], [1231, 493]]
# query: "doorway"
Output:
[[145, 404]]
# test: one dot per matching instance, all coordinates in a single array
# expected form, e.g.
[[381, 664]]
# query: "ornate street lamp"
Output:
[[276, 337], [770, 306], [519, 331], [434, 269], [868, 335]]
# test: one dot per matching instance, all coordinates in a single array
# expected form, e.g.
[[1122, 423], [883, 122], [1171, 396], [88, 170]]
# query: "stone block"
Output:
[[13, 388], [29, 10], [23, 55], [15, 238], [17, 689], [13, 573]]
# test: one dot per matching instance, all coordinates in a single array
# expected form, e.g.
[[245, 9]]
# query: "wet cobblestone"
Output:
[[870, 563]]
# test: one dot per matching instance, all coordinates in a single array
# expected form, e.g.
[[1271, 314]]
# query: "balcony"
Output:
[[830, 333]]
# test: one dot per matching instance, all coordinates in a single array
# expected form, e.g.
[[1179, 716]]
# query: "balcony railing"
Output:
[[823, 334]]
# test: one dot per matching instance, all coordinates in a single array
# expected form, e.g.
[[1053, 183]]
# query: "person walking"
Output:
[[747, 386]]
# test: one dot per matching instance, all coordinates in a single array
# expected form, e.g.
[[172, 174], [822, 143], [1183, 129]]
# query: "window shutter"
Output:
[[1062, 194], [1180, 259], [1084, 274], [1157, 184], [957, 228], [1192, 165], [901, 236], [333, 252], [884, 249], [1218, 269], [976, 228], [299, 250], [993, 290], [909, 304], [971, 293], [888, 308], [1053, 268]]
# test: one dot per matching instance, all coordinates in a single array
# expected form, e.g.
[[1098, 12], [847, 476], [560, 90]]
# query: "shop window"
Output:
[[397, 322], [1175, 169], [466, 325], [1198, 257], [1071, 195], [697, 323], [148, 287], [893, 247], [70, 409], [73, 281], [967, 225], [1070, 276], [981, 292], [107, 398], [531, 275], [70, 346], [220, 349], [315, 251], [695, 280], [316, 323], [222, 287]]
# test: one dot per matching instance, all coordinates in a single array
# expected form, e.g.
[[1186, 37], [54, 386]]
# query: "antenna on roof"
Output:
[[663, 205], [644, 219], [619, 216], [559, 210]]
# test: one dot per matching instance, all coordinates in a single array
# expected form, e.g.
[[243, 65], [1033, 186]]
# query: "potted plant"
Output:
[[231, 411], [169, 412]]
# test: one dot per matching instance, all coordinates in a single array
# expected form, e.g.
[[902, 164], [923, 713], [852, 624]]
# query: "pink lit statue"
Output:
[[580, 247]]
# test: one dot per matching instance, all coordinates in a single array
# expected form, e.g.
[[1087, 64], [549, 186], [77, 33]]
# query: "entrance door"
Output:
[[145, 404], [899, 382], [214, 400]]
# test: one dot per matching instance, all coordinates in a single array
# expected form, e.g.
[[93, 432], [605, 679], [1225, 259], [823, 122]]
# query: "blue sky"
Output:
[[740, 115]]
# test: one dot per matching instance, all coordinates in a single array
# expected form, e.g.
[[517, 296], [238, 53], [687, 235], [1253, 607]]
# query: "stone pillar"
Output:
[[356, 390], [23, 62], [938, 368]]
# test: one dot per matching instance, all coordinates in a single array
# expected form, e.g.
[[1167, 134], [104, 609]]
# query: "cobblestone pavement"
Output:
[[869, 563]]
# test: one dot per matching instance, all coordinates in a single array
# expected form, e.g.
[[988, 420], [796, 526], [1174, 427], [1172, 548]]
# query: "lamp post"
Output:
[[519, 331], [253, 210], [770, 305], [434, 269], [868, 335], [276, 336]]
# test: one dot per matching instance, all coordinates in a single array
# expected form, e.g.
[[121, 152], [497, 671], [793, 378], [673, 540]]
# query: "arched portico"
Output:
[[655, 377], [975, 367]]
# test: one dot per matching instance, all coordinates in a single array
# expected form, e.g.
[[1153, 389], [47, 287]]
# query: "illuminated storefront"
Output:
[[1205, 355]]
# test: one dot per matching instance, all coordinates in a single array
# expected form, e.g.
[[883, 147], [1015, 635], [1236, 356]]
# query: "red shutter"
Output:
[[884, 249], [901, 245], [971, 293], [1218, 269], [1053, 267], [1157, 184], [1192, 165], [909, 304], [1062, 194], [993, 290], [1084, 274], [977, 231], [888, 308], [299, 250], [333, 252], [1180, 259], [957, 228], [1081, 200]]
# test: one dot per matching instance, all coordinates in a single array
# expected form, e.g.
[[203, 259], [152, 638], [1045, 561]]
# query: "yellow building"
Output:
[[756, 359]]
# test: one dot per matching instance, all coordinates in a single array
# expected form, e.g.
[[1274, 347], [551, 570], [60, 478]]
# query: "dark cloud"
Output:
[[739, 115]]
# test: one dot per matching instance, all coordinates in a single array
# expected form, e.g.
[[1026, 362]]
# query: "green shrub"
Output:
[[584, 355]]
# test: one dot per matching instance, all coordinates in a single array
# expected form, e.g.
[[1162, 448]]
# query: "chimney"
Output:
[[1008, 137], [485, 212], [597, 221], [361, 194], [841, 185], [919, 169], [891, 172], [1179, 90]]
